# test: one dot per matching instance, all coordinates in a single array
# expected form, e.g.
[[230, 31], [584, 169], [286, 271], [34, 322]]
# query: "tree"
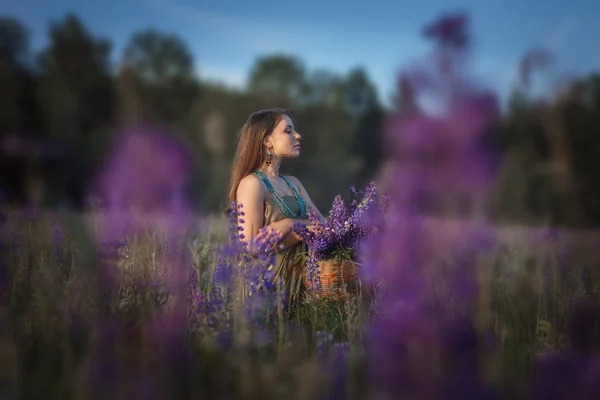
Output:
[[14, 43], [580, 108], [158, 77], [325, 89], [280, 78], [76, 99], [368, 116], [159, 57], [361, 94], [75, 87], [368, 142], [19, 115], [15, 77]]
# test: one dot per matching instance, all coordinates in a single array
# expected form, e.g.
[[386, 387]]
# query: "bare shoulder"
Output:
[[251, 184]]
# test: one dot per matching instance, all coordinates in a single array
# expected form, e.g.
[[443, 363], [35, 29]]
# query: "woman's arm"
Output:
[[292, 238], [284, 229], [250, 194]]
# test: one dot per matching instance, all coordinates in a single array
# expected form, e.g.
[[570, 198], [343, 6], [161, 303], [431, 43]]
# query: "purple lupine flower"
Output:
[[3, 260], [556, 377], [337, 219], [259, 272], [449, 31], [208, 312], [324, 341], [402, 349], [432, 159], [58, 243], [341, 234], [31, 214], [144, 173], [265, 291], [338, 367], [573, 372], [590, 385], [197, 308], [222, 272]]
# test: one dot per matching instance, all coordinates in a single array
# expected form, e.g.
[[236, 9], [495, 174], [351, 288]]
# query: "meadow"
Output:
[[71, 331], [140, 297]]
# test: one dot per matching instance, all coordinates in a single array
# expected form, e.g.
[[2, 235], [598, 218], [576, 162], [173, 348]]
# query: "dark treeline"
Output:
[[60, 109]]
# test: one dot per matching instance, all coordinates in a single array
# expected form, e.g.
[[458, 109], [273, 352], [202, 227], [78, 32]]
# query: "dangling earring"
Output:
[[269, 157]]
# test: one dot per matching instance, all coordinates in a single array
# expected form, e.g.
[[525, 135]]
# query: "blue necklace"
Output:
[[285, 209]]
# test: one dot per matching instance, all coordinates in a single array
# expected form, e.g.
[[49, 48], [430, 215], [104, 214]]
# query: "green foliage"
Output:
[[280, 78], [82, 98], [63, 104]]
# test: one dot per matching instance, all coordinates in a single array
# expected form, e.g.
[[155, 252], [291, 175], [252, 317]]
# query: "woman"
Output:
[[269, 199]]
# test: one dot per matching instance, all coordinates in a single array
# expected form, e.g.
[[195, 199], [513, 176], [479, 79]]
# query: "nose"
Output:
[[297, 136]]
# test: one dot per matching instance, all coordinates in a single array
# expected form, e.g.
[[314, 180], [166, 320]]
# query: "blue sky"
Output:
[[226, 36]]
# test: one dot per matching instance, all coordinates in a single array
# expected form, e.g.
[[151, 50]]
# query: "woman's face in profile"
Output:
[[284, 140]]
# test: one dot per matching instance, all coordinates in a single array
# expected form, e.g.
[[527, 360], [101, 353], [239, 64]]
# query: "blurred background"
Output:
[[73, 72]]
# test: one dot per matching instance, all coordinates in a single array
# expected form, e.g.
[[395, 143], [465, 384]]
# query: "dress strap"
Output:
[[280, 202], [265, 181]]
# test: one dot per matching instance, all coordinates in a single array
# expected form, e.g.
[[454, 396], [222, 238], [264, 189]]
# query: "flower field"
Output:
[[139, 298], [70, 330]]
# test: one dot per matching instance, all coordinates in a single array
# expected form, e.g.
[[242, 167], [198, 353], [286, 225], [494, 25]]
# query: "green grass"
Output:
[[53, 309]]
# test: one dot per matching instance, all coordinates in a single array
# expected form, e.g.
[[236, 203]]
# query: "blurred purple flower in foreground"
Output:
[[440, 165], [574, 373], [142, 185], [146, 171], [145, 176], [3, 266], [449, 31]]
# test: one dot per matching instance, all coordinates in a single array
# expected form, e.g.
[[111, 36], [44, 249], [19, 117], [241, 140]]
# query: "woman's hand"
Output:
[[283, 228], [285, 232]]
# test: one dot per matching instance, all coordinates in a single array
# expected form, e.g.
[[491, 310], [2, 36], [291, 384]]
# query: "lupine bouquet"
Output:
[[339, 236]]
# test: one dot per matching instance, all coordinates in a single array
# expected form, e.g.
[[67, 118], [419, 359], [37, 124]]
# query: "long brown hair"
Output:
[[250, 152]]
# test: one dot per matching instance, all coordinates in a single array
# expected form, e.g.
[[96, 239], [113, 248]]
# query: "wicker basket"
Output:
[[338, 279]]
